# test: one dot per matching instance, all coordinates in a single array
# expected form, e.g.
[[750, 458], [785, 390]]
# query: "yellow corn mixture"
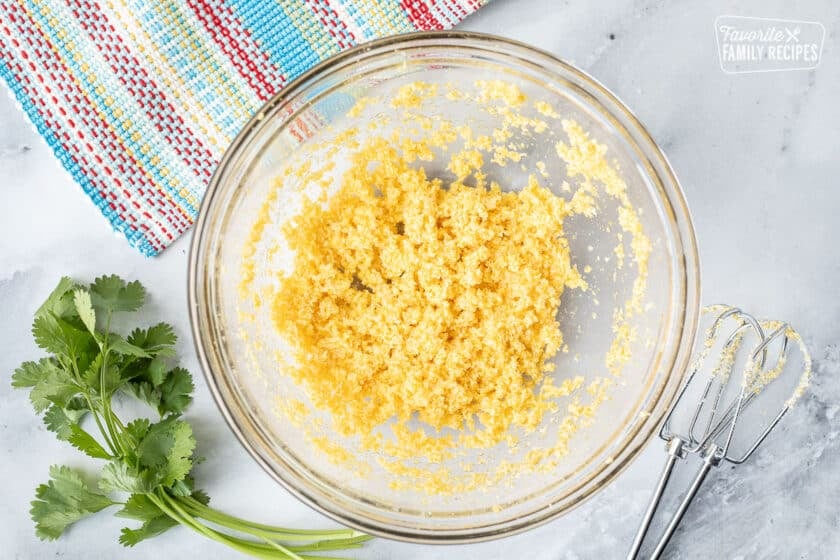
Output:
[[413, 302], [408, 298]]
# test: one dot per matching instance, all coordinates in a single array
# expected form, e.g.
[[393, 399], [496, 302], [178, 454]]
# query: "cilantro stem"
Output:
[[115, 434], [95, 413], [283, 549], [106, 397], [257, 549], [74, 368], [258, 529], [163, 501]]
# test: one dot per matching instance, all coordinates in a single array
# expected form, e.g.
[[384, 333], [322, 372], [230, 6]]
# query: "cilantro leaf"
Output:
[[84, 359], [132, 367], [144, 391], [175, 392], [157, 340], [29, 374], [55, 387], [184, 487], [121, 346], [61, 420], [84, 442], [60, 336], [156, 372], [62, 501], [167, 450], [84, 307], [118, 475], [137, 429], [151, 528], [92, 375], [148, 380], [60, 301], [111, 293], [144, 378], [139, 507], [201, 497]]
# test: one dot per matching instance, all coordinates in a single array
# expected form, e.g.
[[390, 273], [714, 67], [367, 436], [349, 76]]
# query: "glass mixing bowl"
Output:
[[239, 357]]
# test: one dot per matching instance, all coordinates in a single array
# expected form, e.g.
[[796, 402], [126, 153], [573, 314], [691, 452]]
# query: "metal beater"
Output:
[[711, 425]]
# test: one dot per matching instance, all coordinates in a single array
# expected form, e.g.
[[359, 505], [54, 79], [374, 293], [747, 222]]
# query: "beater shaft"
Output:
[[710, 459], [674, 453]]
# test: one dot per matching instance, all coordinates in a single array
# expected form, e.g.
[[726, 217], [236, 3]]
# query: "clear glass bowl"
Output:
[[245, 383]]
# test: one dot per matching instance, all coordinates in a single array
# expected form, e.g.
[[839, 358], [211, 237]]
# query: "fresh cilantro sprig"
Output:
[[147, 462]]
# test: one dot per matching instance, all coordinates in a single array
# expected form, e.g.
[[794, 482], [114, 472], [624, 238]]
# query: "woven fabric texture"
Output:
[[138, 99]]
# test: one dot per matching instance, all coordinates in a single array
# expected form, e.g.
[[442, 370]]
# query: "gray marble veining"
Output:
[[758, 158]]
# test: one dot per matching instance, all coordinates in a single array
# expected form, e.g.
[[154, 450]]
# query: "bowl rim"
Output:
[[644, 433]]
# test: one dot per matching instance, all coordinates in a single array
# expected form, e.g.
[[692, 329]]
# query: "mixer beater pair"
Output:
[[725, 391]]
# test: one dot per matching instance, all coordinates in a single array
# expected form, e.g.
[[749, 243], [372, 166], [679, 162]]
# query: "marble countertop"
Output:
[[757, 156]]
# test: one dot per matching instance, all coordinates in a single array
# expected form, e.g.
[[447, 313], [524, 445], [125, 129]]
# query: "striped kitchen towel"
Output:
[[138, 99]]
